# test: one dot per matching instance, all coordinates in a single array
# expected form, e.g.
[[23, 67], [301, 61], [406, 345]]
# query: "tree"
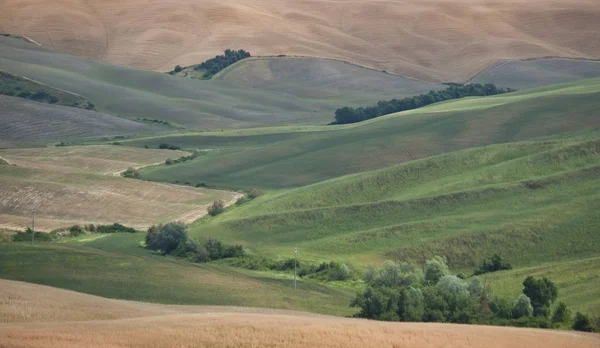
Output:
[[542, 292], [561, 314], [522, 307], [216, 208], [168, 238], [76, 230], [435, 269], [453, 285], [178, 68], [493, 264], [254, 193], [582, 323]]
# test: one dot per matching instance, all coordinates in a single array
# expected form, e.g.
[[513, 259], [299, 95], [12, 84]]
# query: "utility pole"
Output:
[[295, 252], [33, 228]]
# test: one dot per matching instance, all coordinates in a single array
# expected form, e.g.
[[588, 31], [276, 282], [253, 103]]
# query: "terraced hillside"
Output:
[[294, 156], [135, 94], [102, 322], [532, 202], [443, 40], [80, 185], [523, 74]]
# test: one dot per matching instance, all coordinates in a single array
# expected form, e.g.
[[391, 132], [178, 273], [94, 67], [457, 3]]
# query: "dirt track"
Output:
[[448, 40], [40, 316]]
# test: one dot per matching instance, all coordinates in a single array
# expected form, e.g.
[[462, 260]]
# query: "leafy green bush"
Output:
[[582, 323], [493, 264], [562, 313], [522, 307], [165, 146], [76, 230], [542, 292], [166, 238], [114, 228]]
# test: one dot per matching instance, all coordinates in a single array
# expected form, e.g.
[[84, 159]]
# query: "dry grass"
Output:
[[70, 185], [39, 316], [432, 39]]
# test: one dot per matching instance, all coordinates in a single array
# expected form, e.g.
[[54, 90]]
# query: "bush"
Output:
[[542, 292], [132, 173], [216, 208], [435, 269], [26, 236], [165, 146], [114, 228], [582, 323], [562, 314], [169, 161], [493, 264], [166, 238], [522, 307], [76, 230], [254, 193], [177, 69]]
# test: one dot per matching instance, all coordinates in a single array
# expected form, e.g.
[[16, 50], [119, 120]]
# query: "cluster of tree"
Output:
[[132, 173], [347, 114], [165, 146], [218, 63], [114, 228], [403, 291], [154, 121], [171, 161], [493, 264], [173, 239]]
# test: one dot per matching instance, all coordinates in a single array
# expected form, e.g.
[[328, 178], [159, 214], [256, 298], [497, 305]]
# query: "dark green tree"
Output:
[[582, 323], [542, 292]]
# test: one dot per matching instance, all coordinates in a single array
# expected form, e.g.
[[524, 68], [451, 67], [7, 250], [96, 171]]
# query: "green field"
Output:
[[287, 157], [116, 266]]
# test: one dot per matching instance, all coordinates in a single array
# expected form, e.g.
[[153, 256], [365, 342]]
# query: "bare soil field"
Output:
[[70, 185], [40, 316], [436, 40]]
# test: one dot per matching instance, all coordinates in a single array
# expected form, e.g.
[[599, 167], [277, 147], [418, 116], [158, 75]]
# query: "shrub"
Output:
[[561, 314], [435, 269], [169, 161], [522, 307], [166, 238], [26, 236], [165, 146], [493, 264], [216, 208], [132, 173], [40, 95], [254, 193], [114, 228], [76, 230], [177, 69], [582, 323]]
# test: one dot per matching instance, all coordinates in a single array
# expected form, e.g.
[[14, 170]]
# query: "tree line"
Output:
[[212, 66], [348, 114], [403, 291]]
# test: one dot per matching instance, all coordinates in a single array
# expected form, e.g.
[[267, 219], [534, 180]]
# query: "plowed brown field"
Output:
[[427, 39], [40, 316]]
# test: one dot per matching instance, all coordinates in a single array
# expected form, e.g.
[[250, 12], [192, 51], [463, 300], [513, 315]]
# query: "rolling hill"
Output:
[[523, 74], [532, 202], [214, 104], [102, 322], [293, 156], [432, 40], [81, 185]]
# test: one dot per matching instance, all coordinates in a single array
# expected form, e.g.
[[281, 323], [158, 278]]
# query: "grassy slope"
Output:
[[117, 267], [294, 156], [533, 202], [69, 185], [195, 104]]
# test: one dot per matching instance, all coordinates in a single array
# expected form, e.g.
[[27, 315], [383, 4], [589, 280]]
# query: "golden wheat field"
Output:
[[82, 184], [449, 40], [40, 316]]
